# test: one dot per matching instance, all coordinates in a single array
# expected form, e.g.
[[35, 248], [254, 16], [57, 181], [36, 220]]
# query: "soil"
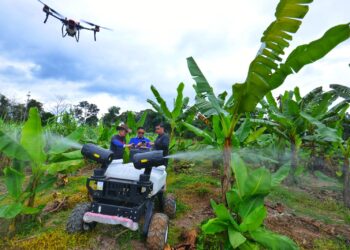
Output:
[[281, 219], [303, 230]]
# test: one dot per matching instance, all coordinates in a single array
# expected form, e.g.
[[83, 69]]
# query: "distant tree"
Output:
[[34, 103], [46, 117], [5, 106], [60, 106], [86, 113], [153, 119], [17, 112], [110, 118], [68, 122]]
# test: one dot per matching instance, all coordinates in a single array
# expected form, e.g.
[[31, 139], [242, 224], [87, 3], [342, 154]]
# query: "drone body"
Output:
[[69, 26]]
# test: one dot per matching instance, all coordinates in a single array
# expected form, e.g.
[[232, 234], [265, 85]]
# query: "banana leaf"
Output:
[[161, 101], [341, 90], [178, 104], [12, 148], [32, 139]]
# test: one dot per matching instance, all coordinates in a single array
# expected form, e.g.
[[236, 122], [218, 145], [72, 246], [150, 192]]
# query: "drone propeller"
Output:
[[53, 11], [97, 26]]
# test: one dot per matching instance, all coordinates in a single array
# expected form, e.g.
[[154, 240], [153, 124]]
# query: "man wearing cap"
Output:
[[118, 142]]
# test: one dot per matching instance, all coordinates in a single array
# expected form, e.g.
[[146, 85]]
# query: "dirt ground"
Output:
[[193, 194], [303, 230]]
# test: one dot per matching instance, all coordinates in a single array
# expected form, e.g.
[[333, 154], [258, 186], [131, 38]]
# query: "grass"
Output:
[[327, 210], [49, 231], [327, 244], [197, 184]]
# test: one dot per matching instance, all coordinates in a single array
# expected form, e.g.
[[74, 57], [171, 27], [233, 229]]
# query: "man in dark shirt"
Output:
[[162, 141], [118, 141]]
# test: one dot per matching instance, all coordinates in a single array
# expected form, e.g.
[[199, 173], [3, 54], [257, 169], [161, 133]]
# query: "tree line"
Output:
[[83, 113]]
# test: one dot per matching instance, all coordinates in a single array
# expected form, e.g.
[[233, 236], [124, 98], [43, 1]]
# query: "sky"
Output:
[[149, 44]]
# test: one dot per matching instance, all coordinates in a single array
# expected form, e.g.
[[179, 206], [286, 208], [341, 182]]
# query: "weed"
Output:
[[202, 192], [174, 234], [327, 210], [56, 239], [328, 244], [181, 207], [210, 241]]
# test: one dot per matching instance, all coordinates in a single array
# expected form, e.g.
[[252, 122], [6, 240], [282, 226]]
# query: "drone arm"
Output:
[[58, 18]]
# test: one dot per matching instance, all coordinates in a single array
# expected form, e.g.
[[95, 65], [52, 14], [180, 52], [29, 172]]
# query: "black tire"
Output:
[[169, 206], [157, 232], [75, 221]]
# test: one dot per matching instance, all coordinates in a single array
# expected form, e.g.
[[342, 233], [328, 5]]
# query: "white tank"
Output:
[[128, 172]]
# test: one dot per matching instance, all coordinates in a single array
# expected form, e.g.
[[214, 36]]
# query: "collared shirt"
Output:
[[117, 146], [137, 140], [162, 143]]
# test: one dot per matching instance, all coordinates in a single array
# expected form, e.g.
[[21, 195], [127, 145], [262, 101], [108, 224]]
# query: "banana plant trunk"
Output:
[[226, 179], [346, 182], [32, 189], [294, 161]]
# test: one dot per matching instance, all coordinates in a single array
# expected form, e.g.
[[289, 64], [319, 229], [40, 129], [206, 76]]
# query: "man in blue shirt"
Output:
[[140, 141], [118, 141]]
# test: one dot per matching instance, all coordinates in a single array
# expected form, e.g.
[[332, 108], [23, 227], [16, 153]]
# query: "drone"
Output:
[[69, 26]]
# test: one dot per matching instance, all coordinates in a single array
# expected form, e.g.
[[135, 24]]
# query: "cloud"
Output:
[[149, 45]]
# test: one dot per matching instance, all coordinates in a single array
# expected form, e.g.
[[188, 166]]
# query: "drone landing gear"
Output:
[[95, 35], [63, 34], [47, 16], [77, 35]]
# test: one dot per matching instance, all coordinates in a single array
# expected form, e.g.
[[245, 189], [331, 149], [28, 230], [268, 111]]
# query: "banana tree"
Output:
[[131, 121], [214, 135], [31, 150], [267, 71], [241, 221], [345, 149], [344, 92], [175, 116], [295, 116]]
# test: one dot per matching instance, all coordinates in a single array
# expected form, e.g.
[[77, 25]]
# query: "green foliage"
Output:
[[11, 148], [32, 138], [131, 121], [32, 149], [243, 219], [265, 72], [179, 112]]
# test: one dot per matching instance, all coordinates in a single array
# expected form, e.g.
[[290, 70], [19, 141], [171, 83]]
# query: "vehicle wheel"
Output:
[[75, 221], [158, 232], [169, 206]]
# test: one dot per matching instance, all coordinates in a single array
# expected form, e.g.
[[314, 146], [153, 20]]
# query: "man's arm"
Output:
[[133, 141], [164, 143], [148, 143], [118, 143]]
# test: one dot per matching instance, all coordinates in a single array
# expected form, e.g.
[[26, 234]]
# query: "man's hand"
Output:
[[139, 144], [151, 143], [128, 145]]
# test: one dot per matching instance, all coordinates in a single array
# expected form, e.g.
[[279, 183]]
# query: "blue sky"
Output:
[[149, 44]]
